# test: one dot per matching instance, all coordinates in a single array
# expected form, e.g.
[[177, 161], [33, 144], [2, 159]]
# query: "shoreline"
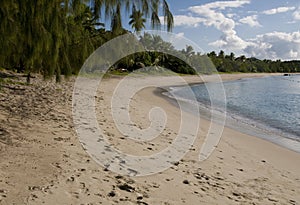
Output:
[[258, 132], [43, 161]]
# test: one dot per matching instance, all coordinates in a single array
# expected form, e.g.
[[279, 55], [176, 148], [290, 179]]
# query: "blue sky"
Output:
[[260, 28], [266, 29]]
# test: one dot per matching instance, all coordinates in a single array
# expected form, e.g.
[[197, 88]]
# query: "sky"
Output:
[[265, 29]]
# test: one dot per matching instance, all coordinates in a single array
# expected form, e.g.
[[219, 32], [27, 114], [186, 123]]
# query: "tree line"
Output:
[[55, 37], [231, 63], [188, 61]]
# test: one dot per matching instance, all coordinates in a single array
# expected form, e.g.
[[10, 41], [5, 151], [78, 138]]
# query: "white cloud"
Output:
[[230, 43], [251, 21], [213, 16], [231, 15], [220, 5], [296, 14], [275, 45], [278, 10], [183, 20], [180, 35]]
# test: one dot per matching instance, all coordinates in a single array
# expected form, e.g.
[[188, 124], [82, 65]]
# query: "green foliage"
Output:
[[137, 21], [48, 37], [229, 63], [55, 37], [161, 54], [186, 61]]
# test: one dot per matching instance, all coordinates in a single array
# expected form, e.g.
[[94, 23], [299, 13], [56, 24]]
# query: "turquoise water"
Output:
[[265, 107]]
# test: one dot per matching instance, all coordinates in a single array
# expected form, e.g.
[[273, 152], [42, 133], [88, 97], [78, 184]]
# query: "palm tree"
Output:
[[188, 51], [232, 56], [149, 8], [56, 36], [116, 22], [221, 54], [137, 21]]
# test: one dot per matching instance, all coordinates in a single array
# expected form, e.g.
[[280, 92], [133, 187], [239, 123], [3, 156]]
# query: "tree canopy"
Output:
[[55, 37], [230, 63], [190, 62], [137, 21]]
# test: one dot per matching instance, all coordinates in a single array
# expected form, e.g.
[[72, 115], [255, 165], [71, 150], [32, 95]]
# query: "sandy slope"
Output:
[[42, 161]]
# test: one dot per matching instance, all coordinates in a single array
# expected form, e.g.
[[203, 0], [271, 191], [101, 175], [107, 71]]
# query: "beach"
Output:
[[43, 161]]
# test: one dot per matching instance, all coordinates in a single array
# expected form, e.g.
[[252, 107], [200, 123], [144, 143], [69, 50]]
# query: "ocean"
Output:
[[267, 107]]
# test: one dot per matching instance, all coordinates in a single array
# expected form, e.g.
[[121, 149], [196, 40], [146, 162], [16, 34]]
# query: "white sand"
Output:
[[42, 160]]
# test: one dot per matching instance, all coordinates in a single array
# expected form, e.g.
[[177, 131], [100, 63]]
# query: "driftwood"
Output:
[[7, 75], [12, 88]]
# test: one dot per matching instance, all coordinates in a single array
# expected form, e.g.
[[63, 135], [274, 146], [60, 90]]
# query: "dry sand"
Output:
[[42, 161]]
